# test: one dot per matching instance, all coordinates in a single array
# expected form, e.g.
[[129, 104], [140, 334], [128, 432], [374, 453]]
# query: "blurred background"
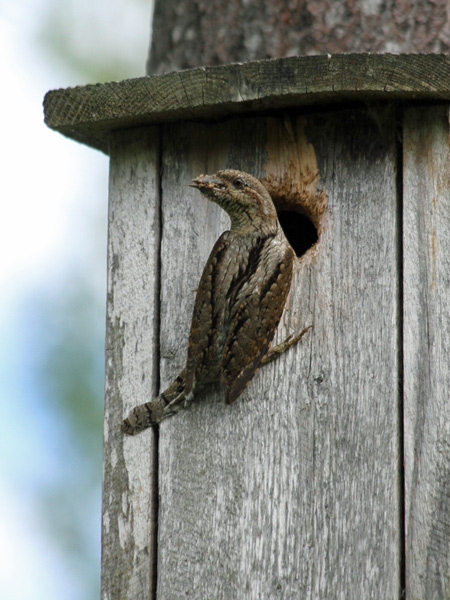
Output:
[[53, 229]]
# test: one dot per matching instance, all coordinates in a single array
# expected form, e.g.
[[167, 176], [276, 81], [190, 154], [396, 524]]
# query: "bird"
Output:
[[239, 301]]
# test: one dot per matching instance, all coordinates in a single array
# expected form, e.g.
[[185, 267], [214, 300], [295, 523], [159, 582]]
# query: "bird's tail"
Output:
[[150, 413]]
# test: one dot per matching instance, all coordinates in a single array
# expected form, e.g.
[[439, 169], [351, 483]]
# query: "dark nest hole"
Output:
[[299, 230]]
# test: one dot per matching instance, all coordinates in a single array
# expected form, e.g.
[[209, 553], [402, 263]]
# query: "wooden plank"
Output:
[[294, 490], [91, 113], [129, 509], [426, 352]]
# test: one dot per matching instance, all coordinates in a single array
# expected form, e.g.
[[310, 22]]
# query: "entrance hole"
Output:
[[299, 230]]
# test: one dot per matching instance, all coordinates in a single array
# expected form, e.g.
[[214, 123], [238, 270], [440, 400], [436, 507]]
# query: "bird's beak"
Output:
[[205, 182]]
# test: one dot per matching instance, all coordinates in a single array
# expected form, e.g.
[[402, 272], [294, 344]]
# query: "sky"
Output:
[[51, 190]]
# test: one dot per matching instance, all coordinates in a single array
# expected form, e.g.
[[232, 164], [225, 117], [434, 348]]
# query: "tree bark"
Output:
[[196, 33]]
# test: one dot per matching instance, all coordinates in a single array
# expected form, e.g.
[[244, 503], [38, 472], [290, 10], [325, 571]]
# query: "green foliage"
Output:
[[85, 42], [96, 41], [69, 350]]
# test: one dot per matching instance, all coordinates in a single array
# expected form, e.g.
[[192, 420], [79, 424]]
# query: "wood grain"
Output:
[[294, 490], [90, 114], [426, 182], [129, 484]]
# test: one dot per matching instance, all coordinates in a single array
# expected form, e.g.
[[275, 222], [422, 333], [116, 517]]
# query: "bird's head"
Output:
[[243, 197]]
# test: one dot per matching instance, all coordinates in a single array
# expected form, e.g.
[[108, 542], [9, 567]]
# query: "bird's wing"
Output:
[[254, 320], [210, 304]]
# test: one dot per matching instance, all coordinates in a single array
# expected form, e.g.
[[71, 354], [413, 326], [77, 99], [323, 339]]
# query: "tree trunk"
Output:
[[192, 33]]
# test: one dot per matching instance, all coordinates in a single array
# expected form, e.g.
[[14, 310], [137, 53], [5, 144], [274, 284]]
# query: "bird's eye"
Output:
[[238, 183]]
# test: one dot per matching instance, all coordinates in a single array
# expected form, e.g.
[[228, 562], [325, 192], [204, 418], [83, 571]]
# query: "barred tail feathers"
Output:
[[151, 413]]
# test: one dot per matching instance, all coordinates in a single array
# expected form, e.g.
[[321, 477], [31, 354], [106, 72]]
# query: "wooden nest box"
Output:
[[330, 476]]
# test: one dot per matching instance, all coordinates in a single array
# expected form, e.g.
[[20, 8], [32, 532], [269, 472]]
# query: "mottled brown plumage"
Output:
[[239, 302]]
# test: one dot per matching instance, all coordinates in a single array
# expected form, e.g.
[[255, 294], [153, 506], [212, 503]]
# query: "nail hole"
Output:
[[299, 230]]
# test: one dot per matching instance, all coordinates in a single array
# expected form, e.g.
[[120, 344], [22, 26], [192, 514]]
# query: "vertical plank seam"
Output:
[[400, 349], [156, 373]]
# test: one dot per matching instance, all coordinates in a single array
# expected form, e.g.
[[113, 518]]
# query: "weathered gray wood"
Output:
[[129, 510], [91, 113], [294, 490], [427, 351]]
